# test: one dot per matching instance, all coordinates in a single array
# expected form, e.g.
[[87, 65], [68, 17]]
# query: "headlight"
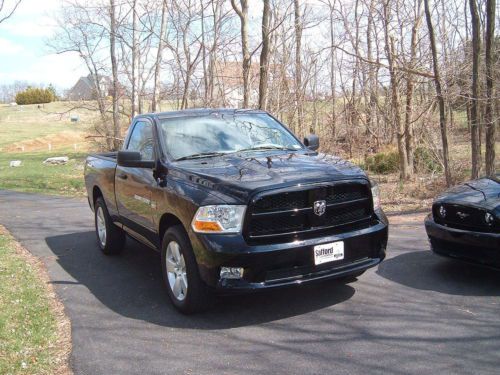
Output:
[[219, 219], [489, 218], [376, 196]]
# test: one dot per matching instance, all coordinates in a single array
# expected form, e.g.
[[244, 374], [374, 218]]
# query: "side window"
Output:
[[141, 140]]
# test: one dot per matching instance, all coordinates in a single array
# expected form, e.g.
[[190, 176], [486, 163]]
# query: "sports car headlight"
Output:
[[219, 219], [376, 196]]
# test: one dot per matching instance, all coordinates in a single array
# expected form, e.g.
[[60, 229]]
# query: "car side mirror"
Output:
[[133, 159], [311, 142]]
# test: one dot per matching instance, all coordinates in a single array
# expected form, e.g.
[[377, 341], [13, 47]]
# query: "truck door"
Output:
[[134, 186]]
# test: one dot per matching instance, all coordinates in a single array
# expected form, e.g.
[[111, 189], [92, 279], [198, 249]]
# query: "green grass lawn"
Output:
[[34, 176], [28, 122], [29, 338]]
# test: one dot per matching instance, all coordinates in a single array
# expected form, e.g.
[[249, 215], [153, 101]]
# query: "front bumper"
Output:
[[476, 247], [277, 265]]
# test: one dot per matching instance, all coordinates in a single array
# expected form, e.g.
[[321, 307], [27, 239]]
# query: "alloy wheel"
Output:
[[176, 271]]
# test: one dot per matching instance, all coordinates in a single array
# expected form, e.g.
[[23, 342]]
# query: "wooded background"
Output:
[[368, 76]]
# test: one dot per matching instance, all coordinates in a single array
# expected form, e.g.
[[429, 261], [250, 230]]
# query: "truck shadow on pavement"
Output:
[[424, 270], [131, 285]]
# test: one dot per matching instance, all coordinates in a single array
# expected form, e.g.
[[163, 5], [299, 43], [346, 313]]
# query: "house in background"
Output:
[[85, 88], [228, 83]]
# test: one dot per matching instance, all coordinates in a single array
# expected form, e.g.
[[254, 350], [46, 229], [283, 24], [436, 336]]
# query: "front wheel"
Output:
[[110, 238], [185, 288]]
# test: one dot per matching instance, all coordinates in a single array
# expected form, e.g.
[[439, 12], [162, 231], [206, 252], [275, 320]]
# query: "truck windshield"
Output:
[[216, 134]]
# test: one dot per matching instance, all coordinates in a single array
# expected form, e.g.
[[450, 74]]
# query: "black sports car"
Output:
[[465, 222]]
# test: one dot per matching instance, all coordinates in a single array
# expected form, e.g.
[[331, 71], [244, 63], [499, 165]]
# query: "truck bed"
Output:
[[105, 155], [100, 171]]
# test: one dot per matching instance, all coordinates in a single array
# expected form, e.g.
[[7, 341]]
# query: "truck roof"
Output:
[[197, 112]]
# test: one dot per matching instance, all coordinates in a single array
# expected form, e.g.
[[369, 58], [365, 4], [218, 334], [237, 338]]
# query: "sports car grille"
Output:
[[464, 217], [276, 216]]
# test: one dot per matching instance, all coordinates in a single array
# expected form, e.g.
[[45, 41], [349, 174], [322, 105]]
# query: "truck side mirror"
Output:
[[133, 159], [311, 142]]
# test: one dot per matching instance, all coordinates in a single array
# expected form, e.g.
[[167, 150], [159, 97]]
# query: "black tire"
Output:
[[114, 239], [197, 296]]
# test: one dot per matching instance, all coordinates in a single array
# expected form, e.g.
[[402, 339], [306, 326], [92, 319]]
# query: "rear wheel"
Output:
[[186, 290], [110, 238]]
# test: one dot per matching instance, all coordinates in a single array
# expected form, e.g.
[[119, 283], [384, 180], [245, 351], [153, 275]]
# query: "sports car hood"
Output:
[[484, 192], [240, 175]]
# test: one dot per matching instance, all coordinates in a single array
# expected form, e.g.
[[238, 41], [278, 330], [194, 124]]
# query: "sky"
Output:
[[24, 55]]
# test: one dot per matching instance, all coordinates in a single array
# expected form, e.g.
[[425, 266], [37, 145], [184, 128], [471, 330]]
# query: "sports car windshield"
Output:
[[219, 133]]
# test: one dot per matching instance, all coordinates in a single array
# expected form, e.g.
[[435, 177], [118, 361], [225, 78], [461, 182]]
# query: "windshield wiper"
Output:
[[267, 147], [201, 155]]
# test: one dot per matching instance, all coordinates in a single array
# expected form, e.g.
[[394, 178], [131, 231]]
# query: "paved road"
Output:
[[416, 313]]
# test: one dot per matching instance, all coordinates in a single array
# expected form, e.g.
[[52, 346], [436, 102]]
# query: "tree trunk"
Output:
[[135, 61], [114, 70], [333, 77], [298, 65], [409, 91], [372, 84], [476, 50], [157, 84], [264, 55], [204, 57], [489, 117], [439, 93], [212, 63], [243, 15], [398, 124]]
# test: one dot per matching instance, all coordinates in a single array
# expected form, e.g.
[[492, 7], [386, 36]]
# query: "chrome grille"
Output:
[[275, 216]]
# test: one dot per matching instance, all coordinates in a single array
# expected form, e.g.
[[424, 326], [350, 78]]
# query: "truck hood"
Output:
[[484, 192], [241, 175]]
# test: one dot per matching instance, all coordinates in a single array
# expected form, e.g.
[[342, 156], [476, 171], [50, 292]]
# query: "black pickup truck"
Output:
[[234, 202]]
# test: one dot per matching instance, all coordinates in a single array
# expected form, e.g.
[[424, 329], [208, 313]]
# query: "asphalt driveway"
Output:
[[416, 313]]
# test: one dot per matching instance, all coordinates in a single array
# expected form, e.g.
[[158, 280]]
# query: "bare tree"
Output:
[[475, 121], [489, 110], [81, 30], [242, 13], [186, 44], [439, 92], [7, 11], [333, 68], [298, 64], [264, 54], [114, 70], [159, 53], [395, 101], [135, 59], [409, 136]]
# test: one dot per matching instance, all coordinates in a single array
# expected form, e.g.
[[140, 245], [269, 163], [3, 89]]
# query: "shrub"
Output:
[[34, 96], [383, 162], [425, 161], [388, 162]]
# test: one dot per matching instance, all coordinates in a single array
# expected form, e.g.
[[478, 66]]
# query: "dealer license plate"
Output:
[[329, 252]]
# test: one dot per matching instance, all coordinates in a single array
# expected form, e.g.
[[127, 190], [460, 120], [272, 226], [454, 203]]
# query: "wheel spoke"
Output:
[[175, 252], [184, 283], [177, 287], [170, 265]]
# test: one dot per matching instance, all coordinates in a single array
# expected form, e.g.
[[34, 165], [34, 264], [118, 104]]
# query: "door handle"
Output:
[[123, 176]]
